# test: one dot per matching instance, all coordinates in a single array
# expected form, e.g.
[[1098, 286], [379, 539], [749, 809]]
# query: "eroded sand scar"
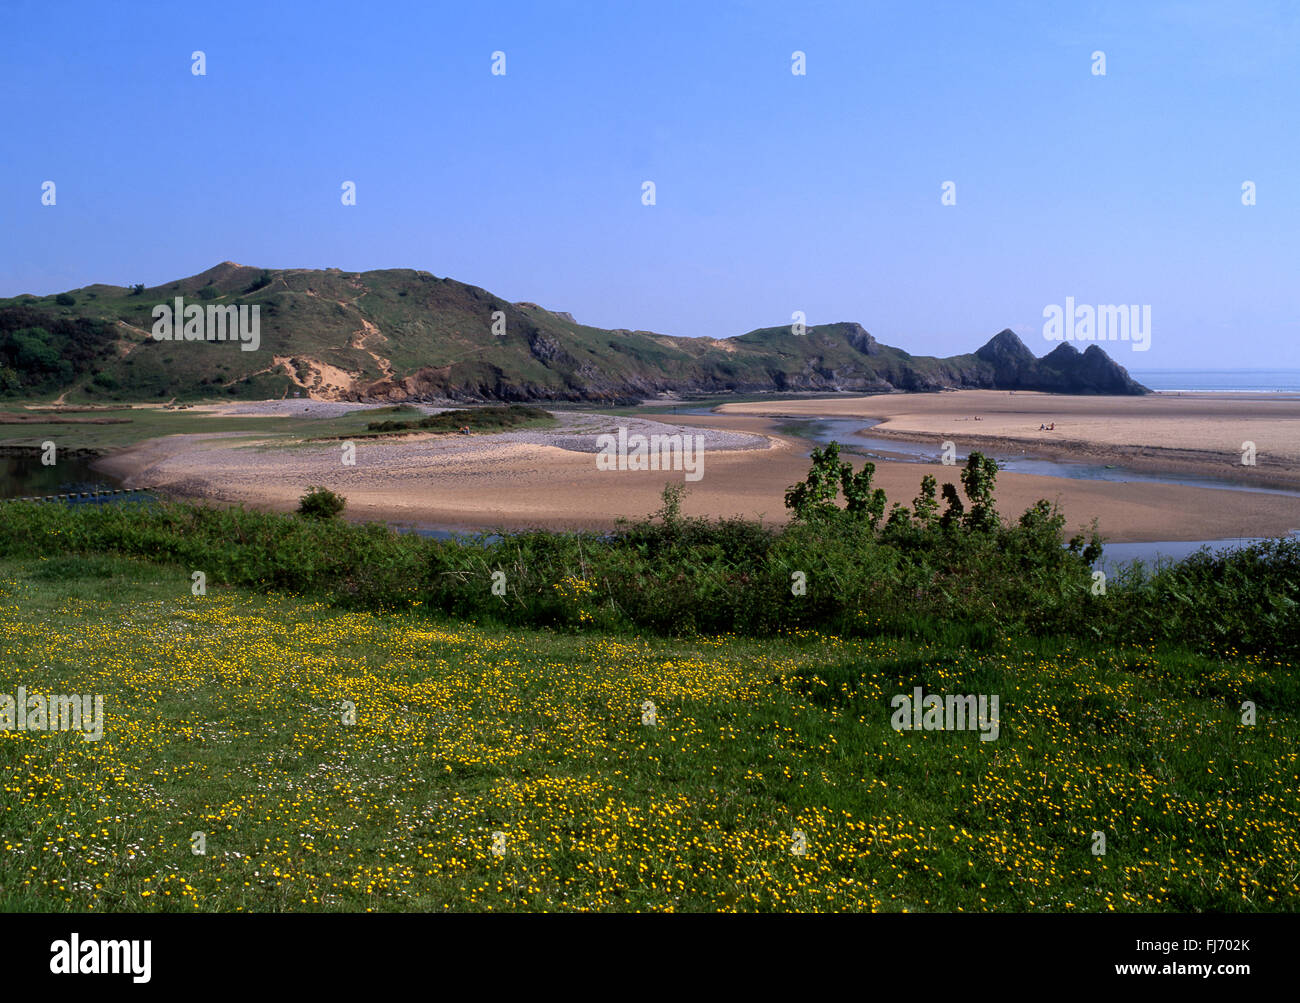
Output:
[[361, 340]]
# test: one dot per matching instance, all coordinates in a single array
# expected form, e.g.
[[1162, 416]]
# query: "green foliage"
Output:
[[41, 351], [815, 496], [432, 329], [925, 508], [678, 575], [233, 699], [483, 419], [979, 478], [952, 516], [261, 282], [321, 503], [860, 499], [32, 350], [64, 299], [670, 513]]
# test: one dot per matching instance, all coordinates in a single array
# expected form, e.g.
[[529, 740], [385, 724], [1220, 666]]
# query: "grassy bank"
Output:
[[101, 430], [678, 576], [505, 418], [225, 716], [681, 715]]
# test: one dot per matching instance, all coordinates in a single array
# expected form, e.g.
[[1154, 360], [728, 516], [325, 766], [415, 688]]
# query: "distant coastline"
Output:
[[1219, 380]]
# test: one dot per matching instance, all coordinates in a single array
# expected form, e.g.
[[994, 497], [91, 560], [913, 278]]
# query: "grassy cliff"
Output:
[[400, 334]]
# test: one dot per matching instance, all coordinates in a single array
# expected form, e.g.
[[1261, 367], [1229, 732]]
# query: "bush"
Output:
[[261, 282], [678, 575], [63, 299], [321, 503], [481, 419]]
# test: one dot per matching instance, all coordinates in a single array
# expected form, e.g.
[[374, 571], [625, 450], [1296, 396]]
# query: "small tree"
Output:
[[1090, 552], [953, 515], [861, 499], [925, 508], [671, 509], [899, 521], [816, 494], [978, 479], [321, 503]]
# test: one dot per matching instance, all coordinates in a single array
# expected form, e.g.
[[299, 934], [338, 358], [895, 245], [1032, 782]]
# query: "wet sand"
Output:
[[1203, 434], [550, 479]]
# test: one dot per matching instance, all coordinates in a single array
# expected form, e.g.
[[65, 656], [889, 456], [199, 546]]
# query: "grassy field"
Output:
[[78, 429], [226, 716]]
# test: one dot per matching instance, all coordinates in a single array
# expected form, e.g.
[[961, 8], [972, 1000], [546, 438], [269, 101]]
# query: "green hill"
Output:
[[400, 334]]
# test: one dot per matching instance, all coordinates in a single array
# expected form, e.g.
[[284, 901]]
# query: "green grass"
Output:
[[504, 418], [224, 716], [673, 575], [150, 423]]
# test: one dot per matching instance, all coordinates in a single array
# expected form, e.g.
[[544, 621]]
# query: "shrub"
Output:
[[679, 575], [261, 282], [481, 419], [321, 503]]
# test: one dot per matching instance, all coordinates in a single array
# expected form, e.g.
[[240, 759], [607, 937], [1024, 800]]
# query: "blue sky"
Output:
[[775, 192]]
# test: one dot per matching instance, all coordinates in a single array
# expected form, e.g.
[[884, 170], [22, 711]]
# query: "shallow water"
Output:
[[845, 432], [1164, 551], [26, 476]]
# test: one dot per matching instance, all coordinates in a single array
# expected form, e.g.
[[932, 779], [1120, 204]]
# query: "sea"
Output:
[[1221, 380]]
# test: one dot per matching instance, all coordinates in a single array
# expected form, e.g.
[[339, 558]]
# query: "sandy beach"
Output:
[[550, 478], [1201, 434]]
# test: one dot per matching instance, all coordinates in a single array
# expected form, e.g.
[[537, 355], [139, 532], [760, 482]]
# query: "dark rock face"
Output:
[[548, 350], [1011, 360], [834, 357], [1063, 370], [861, 341], [1098, 373]]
